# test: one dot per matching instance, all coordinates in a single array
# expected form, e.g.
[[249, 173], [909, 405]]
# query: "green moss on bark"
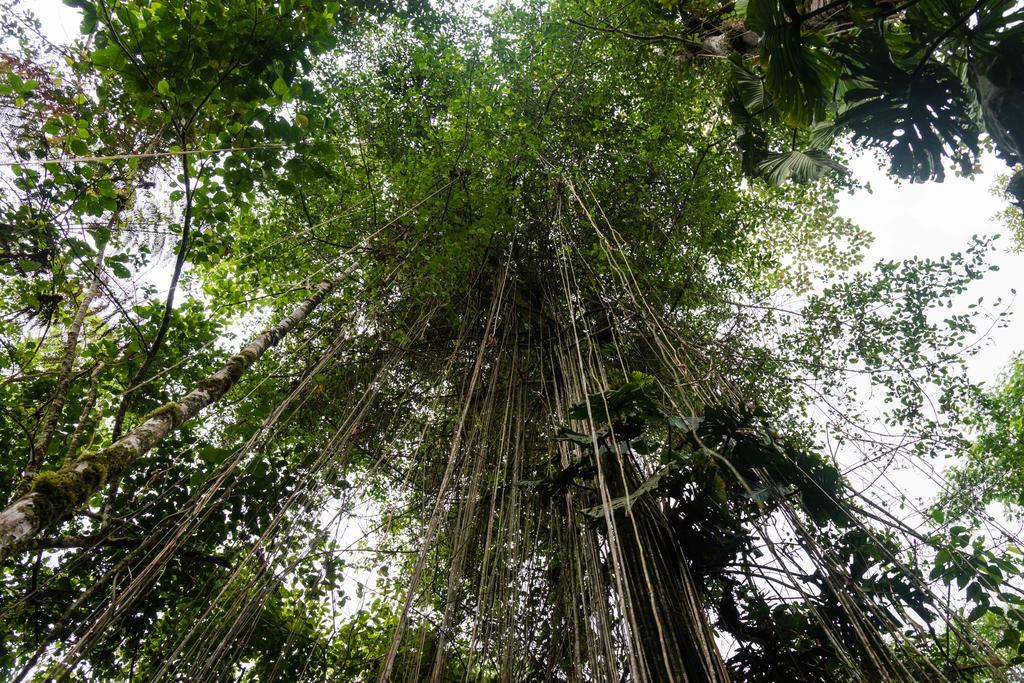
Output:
[[117, 457], [219, 384], [172, 409], [62, 491]]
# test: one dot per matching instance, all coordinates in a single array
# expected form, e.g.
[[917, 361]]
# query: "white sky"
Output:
[[60, 22], [934, 219]]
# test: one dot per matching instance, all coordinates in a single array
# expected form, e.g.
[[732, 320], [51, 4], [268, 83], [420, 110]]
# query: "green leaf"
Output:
[[918, 114], [1011, 637], [799, 166], [89, 20], [686, 423], [977, 613], [214, 456], [565, 434], [120, 270], [749, 86], [799, 71], [650, 485], [163, 87]]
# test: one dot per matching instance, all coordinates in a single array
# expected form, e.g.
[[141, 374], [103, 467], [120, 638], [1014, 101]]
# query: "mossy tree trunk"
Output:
[[56, 494]]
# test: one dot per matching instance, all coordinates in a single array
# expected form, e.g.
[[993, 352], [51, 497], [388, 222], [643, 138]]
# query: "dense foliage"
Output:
[[364, 341]]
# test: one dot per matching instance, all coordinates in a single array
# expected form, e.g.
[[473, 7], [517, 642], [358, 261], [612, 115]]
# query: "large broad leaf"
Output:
[[798, 166], [751, 138], [749, 86], [799, 72], [628, 400], [918, 114], [747, 98], [648, 486], [989, 23], [686, 423], [823, 135], [987, 51]]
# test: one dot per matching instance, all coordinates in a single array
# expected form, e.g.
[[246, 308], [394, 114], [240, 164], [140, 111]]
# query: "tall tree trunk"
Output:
[[51, 416], [37, 456], [57, 494], [83, 419]]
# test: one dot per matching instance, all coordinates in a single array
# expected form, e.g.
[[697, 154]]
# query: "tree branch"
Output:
[[59, 493]]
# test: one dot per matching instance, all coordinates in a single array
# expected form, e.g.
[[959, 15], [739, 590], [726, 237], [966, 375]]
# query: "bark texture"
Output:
[[48, 425], [54, 495]]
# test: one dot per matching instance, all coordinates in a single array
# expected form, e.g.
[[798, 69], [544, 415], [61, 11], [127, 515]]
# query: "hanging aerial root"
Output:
[[54, 495]]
